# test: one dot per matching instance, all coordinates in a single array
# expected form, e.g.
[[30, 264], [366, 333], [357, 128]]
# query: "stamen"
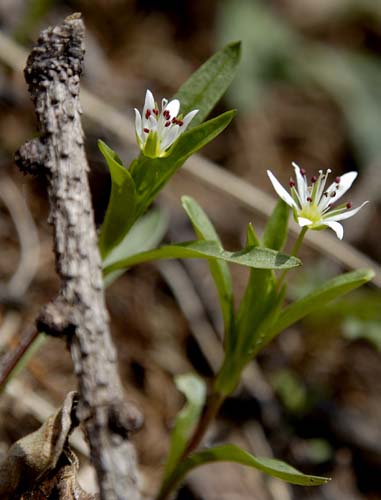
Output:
[[291, 183], [167, 124], [309, 198], [325, 194], [333, 194], [167, 114], [314, 179], [349, 205], [155, 112], [180, 123], [146, 130], [148, 113], [337, 180], [302, 171]]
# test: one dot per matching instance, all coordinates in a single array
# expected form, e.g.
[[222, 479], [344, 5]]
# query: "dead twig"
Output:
[[78, 313]]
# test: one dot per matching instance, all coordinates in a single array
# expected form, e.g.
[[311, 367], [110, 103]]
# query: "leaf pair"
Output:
[[175, 470]]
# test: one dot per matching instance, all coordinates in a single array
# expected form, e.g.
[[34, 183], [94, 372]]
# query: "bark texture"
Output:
[[53, 76]]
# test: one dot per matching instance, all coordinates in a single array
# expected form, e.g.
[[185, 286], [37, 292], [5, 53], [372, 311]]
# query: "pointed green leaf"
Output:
[[194, 390], [120, 212], [318, 298], [261, 258], [207, 85], [275, 233], [218, 268], [145, 234], [151, 174], [251, 236], [232, 453]]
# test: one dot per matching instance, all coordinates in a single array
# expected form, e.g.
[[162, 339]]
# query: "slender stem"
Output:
[[214, 403], [211, 408], [294, 253], [11, 359]]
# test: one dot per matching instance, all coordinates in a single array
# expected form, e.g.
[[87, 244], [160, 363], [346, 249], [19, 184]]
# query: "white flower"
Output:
[[313, 204], [157, 130]]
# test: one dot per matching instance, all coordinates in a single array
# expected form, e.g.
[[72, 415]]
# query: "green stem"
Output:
[[294, 253], [211, 408]]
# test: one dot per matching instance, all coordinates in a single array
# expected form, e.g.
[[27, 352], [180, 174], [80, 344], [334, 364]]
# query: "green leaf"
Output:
[[120, 213], [218, 268], [145, 234], [232, 453], [206, 86], [194, 390], [318, 298], [151, 174], [275, 233], [261, 258], [251, 236]]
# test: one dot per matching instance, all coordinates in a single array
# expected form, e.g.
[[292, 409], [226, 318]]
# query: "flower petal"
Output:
[[301, 182], [345, 215], [302, 221], [335, 226], [187, 119], [280, 191], [138, 125], [170, 137], [173, 107], [149, 102]]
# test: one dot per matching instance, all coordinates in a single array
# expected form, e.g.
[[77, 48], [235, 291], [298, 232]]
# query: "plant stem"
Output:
[[211, 408], [10, 361], [294, 253]]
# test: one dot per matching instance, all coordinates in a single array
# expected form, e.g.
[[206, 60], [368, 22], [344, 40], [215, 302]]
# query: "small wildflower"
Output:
[[312, 204], [156, 131]]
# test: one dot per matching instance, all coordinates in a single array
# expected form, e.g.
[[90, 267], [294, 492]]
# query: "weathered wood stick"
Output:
[[53, 74]]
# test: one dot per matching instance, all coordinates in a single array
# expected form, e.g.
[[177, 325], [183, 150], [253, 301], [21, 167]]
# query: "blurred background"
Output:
[[308, 90]]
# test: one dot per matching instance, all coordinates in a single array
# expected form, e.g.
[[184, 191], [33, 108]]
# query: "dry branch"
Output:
[[53, 74]]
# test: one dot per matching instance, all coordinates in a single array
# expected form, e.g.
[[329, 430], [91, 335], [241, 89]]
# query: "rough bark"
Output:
[[53, 74]]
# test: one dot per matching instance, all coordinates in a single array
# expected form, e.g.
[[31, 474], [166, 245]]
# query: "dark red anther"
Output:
[[291, 183], [167, 124], [325, 194], [333, 194], [309, 198], [167, 114], [180, 123], [314, 179], [330, 205], [146, 130], [349, 205], [155, 112], [302, 171], [148, 113], [337, 180], [174, 120]]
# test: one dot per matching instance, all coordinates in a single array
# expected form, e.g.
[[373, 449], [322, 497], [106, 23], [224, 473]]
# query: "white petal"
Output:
[[187, 119], [345, 183], [173, 107], [149, 102], [138, 125], [152, 123], [345, 215], [301, 182], [170, 137], [302, 221], [280, 191], [337, 227]]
